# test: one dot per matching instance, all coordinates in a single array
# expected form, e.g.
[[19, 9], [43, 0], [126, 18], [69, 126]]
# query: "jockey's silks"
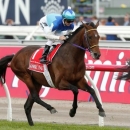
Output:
[[56, 21]]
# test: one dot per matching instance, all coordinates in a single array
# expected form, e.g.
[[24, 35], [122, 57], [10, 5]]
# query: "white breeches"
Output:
[[50, 42]]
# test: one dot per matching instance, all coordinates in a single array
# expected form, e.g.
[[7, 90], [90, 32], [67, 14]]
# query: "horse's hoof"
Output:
[[52, 111], [102, 114], [31, 123], [71, 113]]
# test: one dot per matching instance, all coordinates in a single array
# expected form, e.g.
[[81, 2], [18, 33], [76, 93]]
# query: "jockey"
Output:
[[53, 25]]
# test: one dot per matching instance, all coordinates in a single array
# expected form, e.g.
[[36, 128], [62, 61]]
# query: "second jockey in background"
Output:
[[53, 25]]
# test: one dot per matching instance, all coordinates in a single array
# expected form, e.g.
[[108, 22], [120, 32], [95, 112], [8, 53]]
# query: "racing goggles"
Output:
[[69, 21]]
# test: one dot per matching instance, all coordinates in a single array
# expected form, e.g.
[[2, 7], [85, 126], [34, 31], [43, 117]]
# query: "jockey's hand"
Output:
[[62, 38]]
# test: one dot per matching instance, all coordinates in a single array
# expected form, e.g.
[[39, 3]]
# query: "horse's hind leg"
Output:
[[29, 103], [28, 106], [35, 94]]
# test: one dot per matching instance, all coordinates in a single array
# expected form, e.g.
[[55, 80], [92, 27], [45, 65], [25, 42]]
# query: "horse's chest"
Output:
[[75, 73], [74, 76]]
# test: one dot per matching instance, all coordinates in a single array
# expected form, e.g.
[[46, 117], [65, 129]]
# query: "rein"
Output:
[[80, 47]]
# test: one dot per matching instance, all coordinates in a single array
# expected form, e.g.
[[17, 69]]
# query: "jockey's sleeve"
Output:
[[69, 31], [52, 36]]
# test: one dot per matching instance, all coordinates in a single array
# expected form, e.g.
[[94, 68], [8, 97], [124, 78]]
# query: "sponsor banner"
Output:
[[111, 90], [28, 12]]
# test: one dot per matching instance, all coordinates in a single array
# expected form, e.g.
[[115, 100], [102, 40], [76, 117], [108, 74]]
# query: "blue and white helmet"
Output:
[[68, 14]]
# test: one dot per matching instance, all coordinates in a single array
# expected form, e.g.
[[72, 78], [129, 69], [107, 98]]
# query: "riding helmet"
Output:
[[68, 14]]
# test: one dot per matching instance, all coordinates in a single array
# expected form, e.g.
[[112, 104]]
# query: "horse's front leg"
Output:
[[64, 85], [74, 105], [98, 104], [85, 87]]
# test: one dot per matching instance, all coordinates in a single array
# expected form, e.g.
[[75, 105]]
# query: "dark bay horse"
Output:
[[67, 69], [126, 75]]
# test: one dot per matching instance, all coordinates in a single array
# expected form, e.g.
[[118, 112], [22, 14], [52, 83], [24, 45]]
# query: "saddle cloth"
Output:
[[34, 63]]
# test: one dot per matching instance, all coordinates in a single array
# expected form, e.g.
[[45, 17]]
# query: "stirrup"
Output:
[[43, 61]]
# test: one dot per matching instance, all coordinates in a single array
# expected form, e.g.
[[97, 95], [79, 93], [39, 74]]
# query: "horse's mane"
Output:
[[79, 28]]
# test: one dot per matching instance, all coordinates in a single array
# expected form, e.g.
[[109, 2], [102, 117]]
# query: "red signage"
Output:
[[111, 90]]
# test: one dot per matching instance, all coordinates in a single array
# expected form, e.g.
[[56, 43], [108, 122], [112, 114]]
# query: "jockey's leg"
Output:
[[44, 55], [46, 29], [46, 51]]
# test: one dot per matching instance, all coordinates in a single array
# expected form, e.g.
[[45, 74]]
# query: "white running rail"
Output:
[[9, 109], [29, 31], [101, 119]]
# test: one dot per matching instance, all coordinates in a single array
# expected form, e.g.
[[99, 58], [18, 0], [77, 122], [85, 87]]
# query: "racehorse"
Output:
[[67, 69], [126, 75]]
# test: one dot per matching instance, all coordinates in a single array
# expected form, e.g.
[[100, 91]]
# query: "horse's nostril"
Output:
[[97, 55]]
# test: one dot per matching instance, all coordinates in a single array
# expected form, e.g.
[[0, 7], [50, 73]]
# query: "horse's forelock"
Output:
[[91, 24]]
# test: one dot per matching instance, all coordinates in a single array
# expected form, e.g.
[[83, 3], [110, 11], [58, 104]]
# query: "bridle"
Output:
[[87, 41]]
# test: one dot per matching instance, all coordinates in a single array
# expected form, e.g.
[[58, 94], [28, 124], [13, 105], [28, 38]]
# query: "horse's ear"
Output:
[[84, 24], [97, 24]]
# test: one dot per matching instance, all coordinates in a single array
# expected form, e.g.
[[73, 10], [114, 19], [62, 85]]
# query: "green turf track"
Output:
[[5, 125]]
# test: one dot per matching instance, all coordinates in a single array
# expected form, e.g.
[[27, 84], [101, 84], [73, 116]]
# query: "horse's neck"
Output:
[[71, 51], [78, 40]]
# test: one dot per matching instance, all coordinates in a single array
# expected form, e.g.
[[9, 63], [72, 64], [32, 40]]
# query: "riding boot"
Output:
[[43, 59]]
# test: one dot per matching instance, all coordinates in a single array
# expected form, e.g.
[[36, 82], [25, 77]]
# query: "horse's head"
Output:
[[91, 39]]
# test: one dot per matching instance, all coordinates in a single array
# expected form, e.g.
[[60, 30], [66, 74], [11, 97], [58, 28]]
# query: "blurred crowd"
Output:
[[104, 22], [78, 21]]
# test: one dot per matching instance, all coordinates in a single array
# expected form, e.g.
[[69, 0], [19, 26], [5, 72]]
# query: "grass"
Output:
[[5, 125]]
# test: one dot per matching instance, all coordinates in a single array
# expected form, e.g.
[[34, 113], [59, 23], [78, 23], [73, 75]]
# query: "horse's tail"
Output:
[[125, 75], [3, 66]]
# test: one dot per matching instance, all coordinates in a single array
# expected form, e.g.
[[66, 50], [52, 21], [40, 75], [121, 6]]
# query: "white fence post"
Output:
[[101, 119], [9, 109]]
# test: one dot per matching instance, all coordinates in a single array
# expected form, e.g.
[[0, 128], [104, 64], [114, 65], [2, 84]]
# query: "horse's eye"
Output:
[[90, 37]]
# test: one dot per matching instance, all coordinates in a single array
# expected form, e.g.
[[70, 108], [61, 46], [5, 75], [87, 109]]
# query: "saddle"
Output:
[[34, 63]]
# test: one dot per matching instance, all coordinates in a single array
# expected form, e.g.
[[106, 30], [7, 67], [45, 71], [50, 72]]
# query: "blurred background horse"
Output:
[[125, 74]]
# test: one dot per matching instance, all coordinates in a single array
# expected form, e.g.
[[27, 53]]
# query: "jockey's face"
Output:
[[68, 22]]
